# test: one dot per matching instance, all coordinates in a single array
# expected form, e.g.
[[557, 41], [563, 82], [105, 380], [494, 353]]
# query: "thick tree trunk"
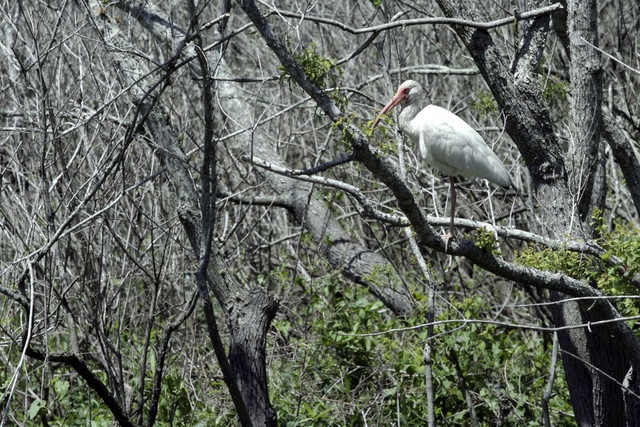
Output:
[[249, 322], [528, 122], [587, 156], [249, 313], [595, 363], [592, 358], [596, 399]]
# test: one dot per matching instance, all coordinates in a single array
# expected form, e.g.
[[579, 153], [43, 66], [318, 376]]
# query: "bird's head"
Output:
[[408, 91]]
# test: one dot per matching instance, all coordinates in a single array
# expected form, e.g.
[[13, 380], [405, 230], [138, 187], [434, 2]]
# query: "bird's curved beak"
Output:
[[397, 99]]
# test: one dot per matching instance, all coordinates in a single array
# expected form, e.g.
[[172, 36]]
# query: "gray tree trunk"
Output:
[[249, 313], [592, 358]]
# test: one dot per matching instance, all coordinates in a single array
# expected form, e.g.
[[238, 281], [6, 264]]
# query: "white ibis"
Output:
[[446, 142]]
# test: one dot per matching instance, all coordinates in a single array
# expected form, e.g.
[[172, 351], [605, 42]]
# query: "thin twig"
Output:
[[368, 209], [552, 375], [495, 323]]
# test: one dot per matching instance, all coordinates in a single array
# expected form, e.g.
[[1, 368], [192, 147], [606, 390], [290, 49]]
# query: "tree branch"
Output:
[[528, 56], [187, 204], [93, 382], [262, 200], [163, 346], [407, 203], [426, 21], [624, 154], [368, 209], [584, 247]]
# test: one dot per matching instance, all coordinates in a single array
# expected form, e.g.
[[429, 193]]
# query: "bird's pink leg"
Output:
[[449, 236]]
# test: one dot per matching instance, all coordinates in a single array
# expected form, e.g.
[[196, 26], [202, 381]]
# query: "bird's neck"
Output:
[[408, 112]]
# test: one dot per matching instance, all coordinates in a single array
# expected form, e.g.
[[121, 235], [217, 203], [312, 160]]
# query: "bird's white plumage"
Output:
[[445, 142], [453, 147]]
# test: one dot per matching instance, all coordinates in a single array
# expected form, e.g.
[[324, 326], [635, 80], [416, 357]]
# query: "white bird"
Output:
[[445, 141]]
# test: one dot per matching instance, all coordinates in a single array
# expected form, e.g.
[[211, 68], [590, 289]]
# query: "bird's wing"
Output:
[[448, 143]]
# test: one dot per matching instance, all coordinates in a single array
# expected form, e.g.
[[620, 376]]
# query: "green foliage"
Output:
[[38, 408], [68, 402], [555, 91], [485, 239], [315, 66], [331, 197], [319, 70], [486, 104], [387, 147], [387, 144], [385, 126], [574, 264], [505, 372], [623, 244], [342, 125], [341, 373], [175, 408], [383, 276], [612, 273]]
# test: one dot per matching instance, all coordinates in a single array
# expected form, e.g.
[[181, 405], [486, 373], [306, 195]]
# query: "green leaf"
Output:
[[61, 387], [38, 407]]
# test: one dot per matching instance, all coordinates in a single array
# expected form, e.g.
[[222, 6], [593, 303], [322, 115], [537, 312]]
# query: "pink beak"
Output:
[[397, 99]]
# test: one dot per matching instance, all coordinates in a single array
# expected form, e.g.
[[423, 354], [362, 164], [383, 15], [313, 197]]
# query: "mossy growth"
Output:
[[556, 91], [322, 71], [621, 263], [486, 105], [485, 238], [614, 272]]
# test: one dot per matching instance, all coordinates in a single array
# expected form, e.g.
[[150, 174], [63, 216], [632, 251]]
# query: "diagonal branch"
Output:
[[90, 378], [368, 209], [406, 201], [584, 247]]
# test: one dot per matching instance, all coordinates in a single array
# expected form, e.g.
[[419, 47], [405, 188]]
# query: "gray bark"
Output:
[[590, 357], [596, 399], [407, 203], [624, 155], [586, 100], [357, 262], [528, 123], [631, 402], [249, 312], [249, 321]]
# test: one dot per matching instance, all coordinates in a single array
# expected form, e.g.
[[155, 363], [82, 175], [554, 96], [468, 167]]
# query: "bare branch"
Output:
[[369, 210], [162, 356], [427, 21], [406, 201], [92, 381], [584, 247], [624, 154]]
